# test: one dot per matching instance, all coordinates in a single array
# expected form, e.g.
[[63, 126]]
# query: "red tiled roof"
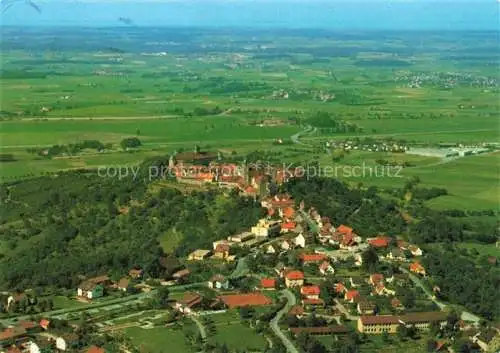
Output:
[[416, 267], [339, 287], [27, 325], [250, 189], [248, 299], [95, 349], [12, 332], [383, 319], [295, 275], [313, 302], [217, 278], [407, 318], [379, 242], [312, 257], [351, 294], [296, 310], [344, 229], [288, 212], [339, 329], [348, 239], [289, 225], [268, 283], [376, 277], [44, 323], [222, 248], [310, 290], [190, 299]]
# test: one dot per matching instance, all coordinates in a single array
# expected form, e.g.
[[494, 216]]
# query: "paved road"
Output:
[[201, 328], [296, 137], [345, 311], [104, 305], [274, 324], [466, 316]]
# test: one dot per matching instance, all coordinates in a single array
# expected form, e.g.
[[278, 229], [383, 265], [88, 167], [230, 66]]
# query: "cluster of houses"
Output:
[[280, 222], [206, 168], [370, 146], [40, 337]]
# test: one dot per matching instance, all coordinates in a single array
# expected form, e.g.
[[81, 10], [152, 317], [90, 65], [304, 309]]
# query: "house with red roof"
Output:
[[351, 295], [294, 279], [417, 268], [287, 213], [288, 227], [312, 258], [310, 292], [188, 302], [268, 284], [340, 288], [221, 251], [380, 242], [343, 229], [313, 302], [95, 349], [376, 278], [297, 311], [44, 324]]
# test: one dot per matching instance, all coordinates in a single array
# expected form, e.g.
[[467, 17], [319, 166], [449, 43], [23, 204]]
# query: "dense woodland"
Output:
[[55, 229]]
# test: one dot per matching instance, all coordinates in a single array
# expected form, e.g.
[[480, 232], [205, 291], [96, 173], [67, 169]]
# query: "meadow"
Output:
[[175, 89]]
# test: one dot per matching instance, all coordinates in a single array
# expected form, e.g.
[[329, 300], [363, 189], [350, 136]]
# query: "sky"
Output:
[[325, 14]]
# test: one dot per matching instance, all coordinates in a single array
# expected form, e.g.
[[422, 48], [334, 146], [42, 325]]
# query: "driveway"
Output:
[[466, 316], [274, 324], [344, 311]]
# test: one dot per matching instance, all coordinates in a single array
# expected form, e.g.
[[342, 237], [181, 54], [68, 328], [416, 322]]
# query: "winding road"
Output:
[[274, 324]]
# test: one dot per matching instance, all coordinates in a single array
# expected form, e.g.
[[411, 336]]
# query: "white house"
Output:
[[415, 250], [33, 347], [265, 228], [358, 260], [270, 249], [65, 342], [299, 240], [218, 282], [285, 245]]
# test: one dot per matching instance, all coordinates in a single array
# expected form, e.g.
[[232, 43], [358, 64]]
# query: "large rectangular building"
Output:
[[390, 323]]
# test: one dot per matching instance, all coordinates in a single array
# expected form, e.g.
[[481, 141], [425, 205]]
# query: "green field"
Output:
[[214, 98], [483, 249], [158, 340]]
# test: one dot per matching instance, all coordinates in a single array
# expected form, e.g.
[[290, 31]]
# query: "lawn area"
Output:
[[158, 340], [238, 336], [483, 249], [230, 331], [472, 182], [61, 302]]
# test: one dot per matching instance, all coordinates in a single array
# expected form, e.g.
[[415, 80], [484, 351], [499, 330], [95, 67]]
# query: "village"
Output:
[[294, 267]]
